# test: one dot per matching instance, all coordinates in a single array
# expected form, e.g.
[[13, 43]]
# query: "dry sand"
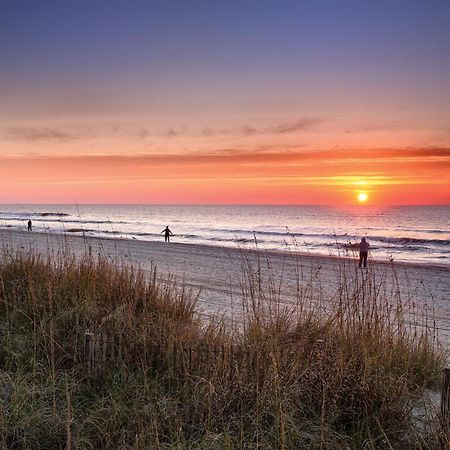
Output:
[[218, 273]]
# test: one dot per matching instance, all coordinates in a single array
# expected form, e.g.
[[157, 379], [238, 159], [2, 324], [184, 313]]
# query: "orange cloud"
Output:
[[232, 176]]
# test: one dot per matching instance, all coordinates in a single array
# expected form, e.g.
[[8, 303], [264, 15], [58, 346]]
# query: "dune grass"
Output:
[[341, 373]]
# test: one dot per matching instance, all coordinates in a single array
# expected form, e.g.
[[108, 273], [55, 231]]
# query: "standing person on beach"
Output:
[[30, 225], [167, 234], [363, 251]]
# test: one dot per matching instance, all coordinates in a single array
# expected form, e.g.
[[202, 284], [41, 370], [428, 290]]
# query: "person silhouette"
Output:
[[30, 228], [363, 251], [167, 234]]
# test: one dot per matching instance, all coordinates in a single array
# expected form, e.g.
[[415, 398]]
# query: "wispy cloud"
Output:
[[257, 156], [144, 131], [302, 124], [33, 134], [376, 127], [248, 130], [298, 125]]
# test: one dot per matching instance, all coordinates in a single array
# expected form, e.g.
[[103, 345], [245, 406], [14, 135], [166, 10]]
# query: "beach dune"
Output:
[[219, 275]]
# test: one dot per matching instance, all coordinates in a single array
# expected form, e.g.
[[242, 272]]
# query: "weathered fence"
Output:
[[103, 349]]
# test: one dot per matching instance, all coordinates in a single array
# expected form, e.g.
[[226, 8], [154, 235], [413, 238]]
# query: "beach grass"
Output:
[[96, 355]]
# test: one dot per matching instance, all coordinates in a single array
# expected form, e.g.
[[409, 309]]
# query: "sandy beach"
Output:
[[218, 274]]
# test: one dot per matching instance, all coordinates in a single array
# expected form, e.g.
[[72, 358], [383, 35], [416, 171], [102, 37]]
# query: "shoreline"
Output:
[[238, 247]]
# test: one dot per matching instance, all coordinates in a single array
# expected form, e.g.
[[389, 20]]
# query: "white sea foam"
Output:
[[409, 233]]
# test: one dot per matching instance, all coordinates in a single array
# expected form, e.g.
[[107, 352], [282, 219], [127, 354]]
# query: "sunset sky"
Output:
[[286, 102]]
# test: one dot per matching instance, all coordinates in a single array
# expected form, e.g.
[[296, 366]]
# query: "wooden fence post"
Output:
[[445, 407], [104, 347], [88, 353], [445, 395]]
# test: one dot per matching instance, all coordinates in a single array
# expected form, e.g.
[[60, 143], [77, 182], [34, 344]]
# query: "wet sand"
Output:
[[218, 275]]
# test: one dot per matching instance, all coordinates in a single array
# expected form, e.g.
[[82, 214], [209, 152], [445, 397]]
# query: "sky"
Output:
[[284, 102]]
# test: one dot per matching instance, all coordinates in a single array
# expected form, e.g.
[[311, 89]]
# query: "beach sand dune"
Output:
[[219, 275]]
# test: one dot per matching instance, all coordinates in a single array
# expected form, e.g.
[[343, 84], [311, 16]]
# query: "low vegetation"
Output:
[[97, 355]]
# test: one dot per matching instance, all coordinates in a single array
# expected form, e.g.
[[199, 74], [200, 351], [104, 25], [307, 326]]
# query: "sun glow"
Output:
[[362, 197]]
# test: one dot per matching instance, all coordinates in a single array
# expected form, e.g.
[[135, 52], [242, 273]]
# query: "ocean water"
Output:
[[419, 234]]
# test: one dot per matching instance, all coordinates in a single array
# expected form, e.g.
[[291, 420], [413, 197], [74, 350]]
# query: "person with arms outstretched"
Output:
[[363, 252], [167, 234]]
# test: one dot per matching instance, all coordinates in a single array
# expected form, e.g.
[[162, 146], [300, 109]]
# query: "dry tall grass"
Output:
[[316, 373]]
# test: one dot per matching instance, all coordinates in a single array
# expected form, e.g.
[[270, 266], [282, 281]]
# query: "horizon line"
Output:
[[229, 204]]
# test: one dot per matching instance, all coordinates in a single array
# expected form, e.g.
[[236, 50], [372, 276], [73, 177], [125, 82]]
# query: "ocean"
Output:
[[418, 234]]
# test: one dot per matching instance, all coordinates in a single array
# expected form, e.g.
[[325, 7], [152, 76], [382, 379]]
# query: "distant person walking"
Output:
[[167, 234], [363, 251], [30, 226]]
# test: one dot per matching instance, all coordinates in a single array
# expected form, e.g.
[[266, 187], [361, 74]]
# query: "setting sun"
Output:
[[362, 197]]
